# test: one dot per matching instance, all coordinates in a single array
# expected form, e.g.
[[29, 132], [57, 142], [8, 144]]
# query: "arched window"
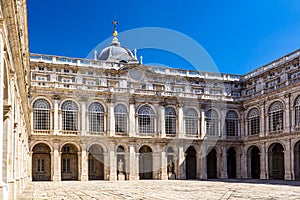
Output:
[[69, 116], [276, 116], [120, 118], [212, 122], [96, 117], [231, 122], [253, 119], [297, 112], [170, 123], [146, 120], [191, 122], [41, 115]]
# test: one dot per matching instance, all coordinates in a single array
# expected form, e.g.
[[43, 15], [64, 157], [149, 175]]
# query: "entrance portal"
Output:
[[276, 161], [96, 163], [231, 163], [191, 163], [255, 162], [211, 160], [145, 163], [41, 163], [69, 162]]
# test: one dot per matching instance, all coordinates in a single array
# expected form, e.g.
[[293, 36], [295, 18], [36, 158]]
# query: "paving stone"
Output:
[[172, 189]]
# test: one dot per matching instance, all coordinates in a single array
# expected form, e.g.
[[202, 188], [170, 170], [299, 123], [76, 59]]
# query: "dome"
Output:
[[116, 53]]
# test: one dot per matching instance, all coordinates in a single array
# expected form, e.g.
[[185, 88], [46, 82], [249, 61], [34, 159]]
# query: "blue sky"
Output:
[[238, 35]]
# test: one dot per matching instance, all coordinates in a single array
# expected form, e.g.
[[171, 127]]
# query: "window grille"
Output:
[[231, 123], [253, 121], [41, 115], [146, 120], [40, 165], [120, 118], [276, 116], [69, 116], [96, 117], [66, 165], [191, 122], [297, 112], [170, 123], [212, 123]]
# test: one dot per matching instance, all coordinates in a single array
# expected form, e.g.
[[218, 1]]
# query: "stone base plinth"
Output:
[[121, 177]]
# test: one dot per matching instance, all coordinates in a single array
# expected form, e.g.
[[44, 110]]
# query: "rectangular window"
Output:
[[40, 165], [41, 78], [65, 80], [66, 165]]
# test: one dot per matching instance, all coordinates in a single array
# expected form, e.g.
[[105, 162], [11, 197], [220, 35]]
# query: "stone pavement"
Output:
[[152, 189]]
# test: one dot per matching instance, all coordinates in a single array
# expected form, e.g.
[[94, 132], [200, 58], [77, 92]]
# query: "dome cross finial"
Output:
[[115, 23]]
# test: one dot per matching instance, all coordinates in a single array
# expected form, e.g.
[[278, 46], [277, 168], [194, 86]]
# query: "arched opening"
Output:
[[69, 162], [121, 163], [231, 163], [297, 160], [191, 163], [145, 162], [255, 162], [96, 163], [276, 161], [41, 163], [211, 160]]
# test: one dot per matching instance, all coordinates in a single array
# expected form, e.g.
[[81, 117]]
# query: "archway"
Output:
[[96, 163], [231, 163], [254, 164], [191, 163], [69, 162], [276, 161], [211, 160], [145, 163], [297, 160], [41, 163]]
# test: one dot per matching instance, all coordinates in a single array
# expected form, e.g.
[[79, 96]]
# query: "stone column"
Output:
[[112, 165], [203, 125], [181, 163], [286, 116], [162, 121], [287, 161], [56, 117], [181, 132], [222, 130], [132, 163], [84, 164], [83, 118], [2, 183], [263, 125], [164, 164], [132, 131], [239, 160], [224, 163], [111, 115], [263, 161], [56, 163], [203, 158], [156, 166]]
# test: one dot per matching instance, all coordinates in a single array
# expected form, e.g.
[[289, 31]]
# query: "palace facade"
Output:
[[111, 116]]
